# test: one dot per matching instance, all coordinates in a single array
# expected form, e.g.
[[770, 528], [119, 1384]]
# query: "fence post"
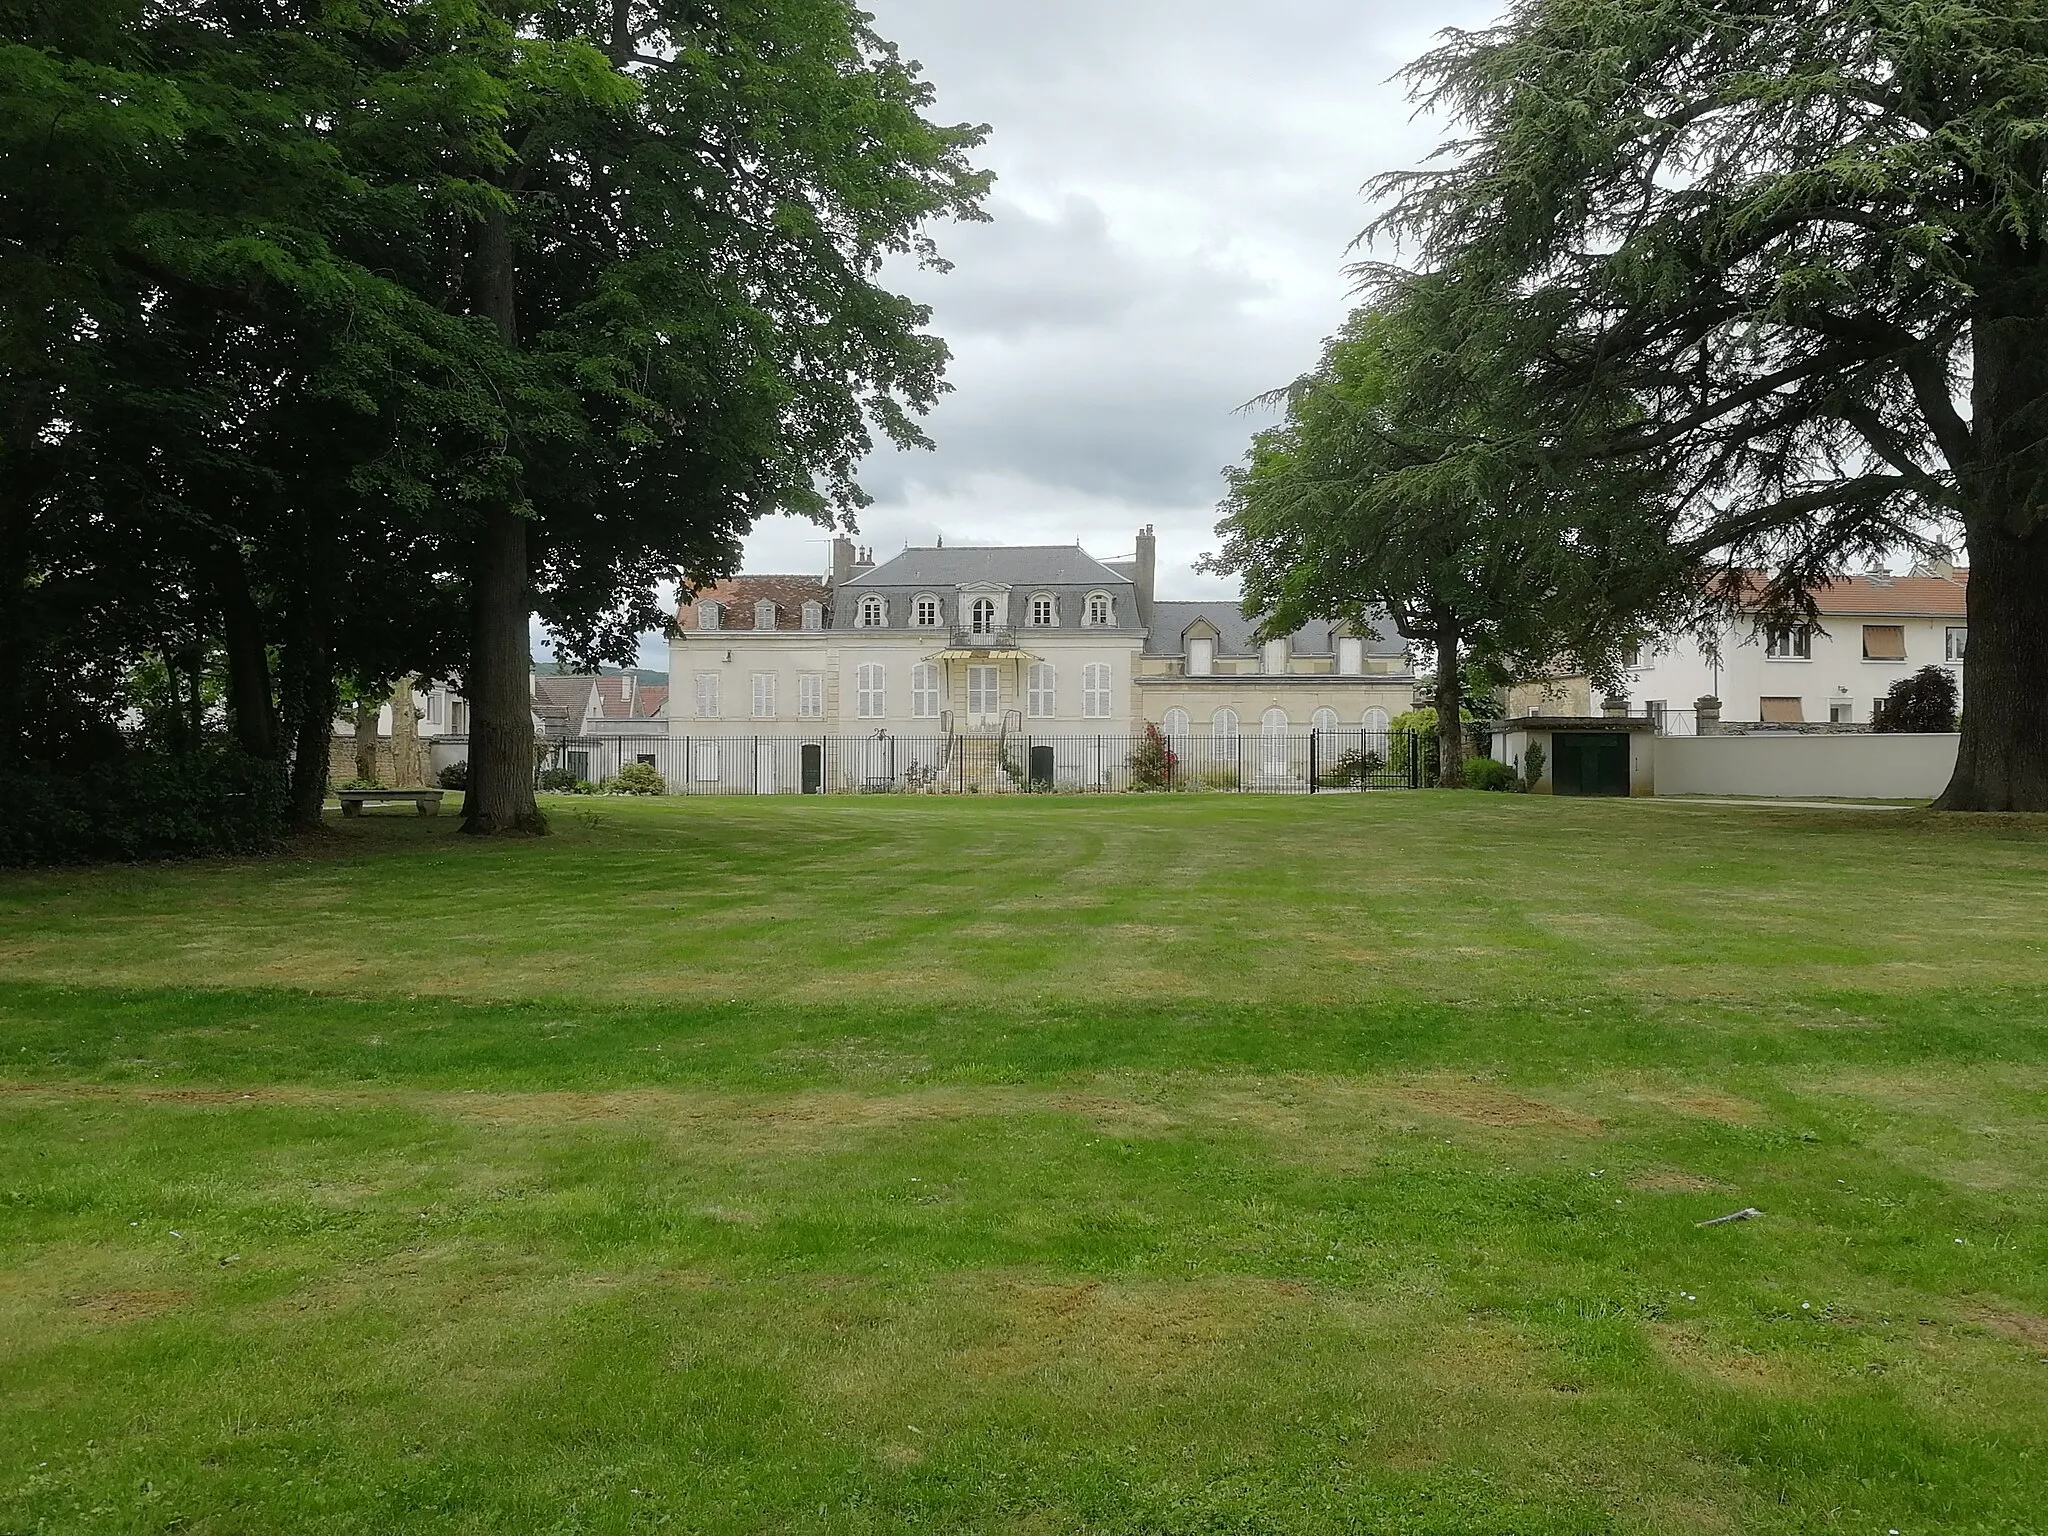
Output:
[[1312, 762]]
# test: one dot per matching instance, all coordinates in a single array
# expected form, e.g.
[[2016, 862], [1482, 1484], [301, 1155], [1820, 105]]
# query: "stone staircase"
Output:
[[977, 762]]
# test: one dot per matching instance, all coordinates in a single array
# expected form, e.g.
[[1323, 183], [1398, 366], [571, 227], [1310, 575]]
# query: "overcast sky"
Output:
[[1177, 186]]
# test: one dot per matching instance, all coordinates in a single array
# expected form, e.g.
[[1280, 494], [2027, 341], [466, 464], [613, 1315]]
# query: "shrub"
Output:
[[1924, 702], [143, 805], [455, 775], [1353, 768], [1532, 765], [1153, 762], [359, 784], [637, 779], [1220, 776], [557, 781], [1486, 773]]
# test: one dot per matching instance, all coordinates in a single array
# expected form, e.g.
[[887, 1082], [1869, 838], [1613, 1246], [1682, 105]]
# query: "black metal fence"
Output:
[[1281, 763]]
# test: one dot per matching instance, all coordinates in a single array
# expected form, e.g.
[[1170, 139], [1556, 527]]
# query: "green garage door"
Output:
[[1589, 763]]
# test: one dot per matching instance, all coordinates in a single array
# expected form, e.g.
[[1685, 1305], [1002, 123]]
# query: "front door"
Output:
[[814, 768], [984, 695], [764, 768]]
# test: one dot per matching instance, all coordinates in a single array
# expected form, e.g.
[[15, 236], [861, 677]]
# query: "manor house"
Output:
[[996, 644]]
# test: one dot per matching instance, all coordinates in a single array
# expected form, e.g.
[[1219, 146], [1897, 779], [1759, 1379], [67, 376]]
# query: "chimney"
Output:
[[627, 681], [842, 561], [1148, 566], [864, 561]]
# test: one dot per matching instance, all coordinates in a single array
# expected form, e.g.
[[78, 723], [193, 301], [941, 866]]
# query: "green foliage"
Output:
[[551, 781], [142, 805], [1354, 769], [1534, 760], [360, 784], [1786, 324], [1485, 773], [454, 776], [1154, 765], [1924, 702], [637, 779]]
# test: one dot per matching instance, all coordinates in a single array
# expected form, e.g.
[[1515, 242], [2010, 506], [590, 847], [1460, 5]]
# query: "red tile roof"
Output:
[[1912, 597], [738, 596]]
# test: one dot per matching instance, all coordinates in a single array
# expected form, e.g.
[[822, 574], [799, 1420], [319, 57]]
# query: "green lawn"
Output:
[[1193, 1164]]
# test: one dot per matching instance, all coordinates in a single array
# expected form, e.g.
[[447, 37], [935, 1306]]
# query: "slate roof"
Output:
[[1170, 621], [1023, 565], [787, 593]]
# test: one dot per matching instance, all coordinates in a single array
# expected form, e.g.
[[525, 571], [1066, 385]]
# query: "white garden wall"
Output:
[[1853, 767]]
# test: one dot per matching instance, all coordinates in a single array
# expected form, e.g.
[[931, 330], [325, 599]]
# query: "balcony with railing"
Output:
[[994, 638]]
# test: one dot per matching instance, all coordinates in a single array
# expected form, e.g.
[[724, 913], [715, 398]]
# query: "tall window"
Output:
[[870, 692], [924, 691], [764, 615], [984, 690], [1223, 725], [1039, 700], [1884, 642], [1789, 643], [1099, 610], [1376, 721], [763, 696], [707, 695], [1324, 720], [1095, 691], [984, 615], [1201, 657], [458, 716], [1044, 609], [927, 612], [810, 696], [1350, 655], [1273, 728], [1175, 725], [1276, 656], [874, 613], [707, 615], [814, 615], [1958, 641]]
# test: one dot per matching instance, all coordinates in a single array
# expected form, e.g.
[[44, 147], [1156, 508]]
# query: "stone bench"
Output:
[[353, 800]]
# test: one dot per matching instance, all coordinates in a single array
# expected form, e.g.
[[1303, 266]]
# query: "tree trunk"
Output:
[[306, 676], [251, 712], [366, 712], [2002, 764], [2003, 761], [1450, 706], [498, 680]]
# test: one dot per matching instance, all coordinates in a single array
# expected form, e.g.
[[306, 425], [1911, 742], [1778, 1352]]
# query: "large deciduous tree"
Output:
[[1406, 481], [1805, 237]]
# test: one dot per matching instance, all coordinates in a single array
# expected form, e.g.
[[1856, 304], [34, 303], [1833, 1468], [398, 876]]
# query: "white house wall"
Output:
[[1789, 766], [1681, 673]]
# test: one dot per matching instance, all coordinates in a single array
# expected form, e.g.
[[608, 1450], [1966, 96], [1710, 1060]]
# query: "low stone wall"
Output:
[[1793, 766]]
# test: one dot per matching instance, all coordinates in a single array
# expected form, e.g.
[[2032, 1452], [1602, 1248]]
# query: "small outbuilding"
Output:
[[1582, 754]]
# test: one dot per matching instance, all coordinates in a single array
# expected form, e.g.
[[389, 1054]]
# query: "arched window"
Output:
[[1175, 725], [924, 691], [871, 694], [1376, 721], [1045, 609], [1095, 691], [1039, 697], [1273, 728], [707, 615], [1223, 725], [926, 612], [764, 615], [1100, 609], [984, 615], [874, 613], [1324, 722]]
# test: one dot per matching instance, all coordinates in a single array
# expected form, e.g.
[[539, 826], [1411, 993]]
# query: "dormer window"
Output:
[[1276, 657], [814, 615], [707, 615], [1045, 610], [926, 612], [874, 613], [764, 615], [984, 615], [1100, 611]]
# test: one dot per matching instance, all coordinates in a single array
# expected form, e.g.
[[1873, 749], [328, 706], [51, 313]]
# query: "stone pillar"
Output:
[[1615, 706], [1707, 715]]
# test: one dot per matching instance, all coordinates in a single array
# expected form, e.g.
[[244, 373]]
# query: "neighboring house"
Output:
[[1872, 631], [940, 645]]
